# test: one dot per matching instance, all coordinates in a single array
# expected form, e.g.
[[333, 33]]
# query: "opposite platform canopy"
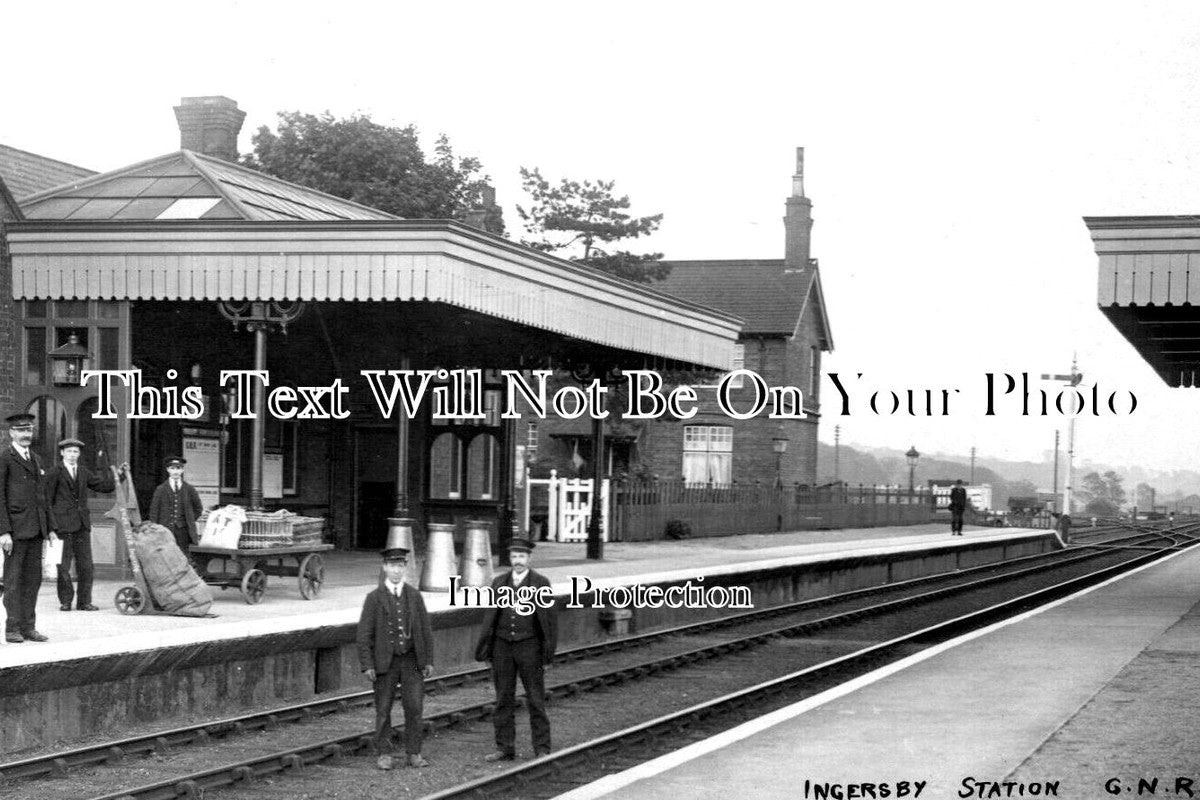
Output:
[[1149, 288]]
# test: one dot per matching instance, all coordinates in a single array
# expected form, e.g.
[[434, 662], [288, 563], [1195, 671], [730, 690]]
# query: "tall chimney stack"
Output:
[[798, 221], [210, 125]]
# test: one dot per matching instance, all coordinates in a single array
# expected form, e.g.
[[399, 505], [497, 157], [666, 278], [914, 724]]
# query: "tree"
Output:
[[376, 165], [1103, 495], [1143, 496], [590, 216]]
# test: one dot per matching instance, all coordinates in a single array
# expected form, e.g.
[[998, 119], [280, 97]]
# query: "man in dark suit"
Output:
[[25, 522], [519, 645], [176, 505], [395, 645], [69, 483], [958, 505]]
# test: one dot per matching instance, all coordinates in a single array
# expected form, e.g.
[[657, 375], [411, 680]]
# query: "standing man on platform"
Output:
[[958, 505], [395, 645], [25, 521], [519, 645], [176, 505], [69, 483]]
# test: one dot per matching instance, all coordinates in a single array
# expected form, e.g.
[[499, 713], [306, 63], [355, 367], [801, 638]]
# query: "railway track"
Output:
[[333, 748]]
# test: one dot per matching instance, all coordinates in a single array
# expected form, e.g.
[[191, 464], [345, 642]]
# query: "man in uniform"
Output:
[[69, 483], [25, 522], [395, 645], [176, 505], [519, 645], [958, 505]]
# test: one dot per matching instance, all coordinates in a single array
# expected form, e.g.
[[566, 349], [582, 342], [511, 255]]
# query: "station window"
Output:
[[50, 323], [445, 467], [708, 455]]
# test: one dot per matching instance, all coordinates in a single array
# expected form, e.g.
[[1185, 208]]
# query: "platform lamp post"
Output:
[[779, 443], [912, 455]]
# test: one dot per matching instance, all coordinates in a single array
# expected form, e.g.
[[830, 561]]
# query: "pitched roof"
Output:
[[9, 210], [28, 173], [188, 185], [770, 298]]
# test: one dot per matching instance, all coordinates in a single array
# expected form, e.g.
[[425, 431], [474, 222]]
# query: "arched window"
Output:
[[49, 427], [481, 467], [446, 467]]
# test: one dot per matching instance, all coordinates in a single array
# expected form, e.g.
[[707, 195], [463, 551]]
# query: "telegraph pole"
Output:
[[972, 466], [837, 453], [1056, 437]]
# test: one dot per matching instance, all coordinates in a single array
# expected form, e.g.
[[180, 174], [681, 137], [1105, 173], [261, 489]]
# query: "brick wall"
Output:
[[8, 330]]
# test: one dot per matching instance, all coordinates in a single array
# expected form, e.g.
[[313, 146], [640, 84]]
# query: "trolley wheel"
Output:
[[130, 600], [312, 575], [254, 583]]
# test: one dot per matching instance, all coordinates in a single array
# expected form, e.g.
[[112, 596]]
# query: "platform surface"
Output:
[[1093, 693], [350, 575]]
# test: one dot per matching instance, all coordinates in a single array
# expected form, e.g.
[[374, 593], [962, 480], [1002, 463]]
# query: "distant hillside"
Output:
[[880, 465]]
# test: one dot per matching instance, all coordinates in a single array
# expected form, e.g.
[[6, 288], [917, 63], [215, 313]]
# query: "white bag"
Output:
[[52, 553], [223, 528]]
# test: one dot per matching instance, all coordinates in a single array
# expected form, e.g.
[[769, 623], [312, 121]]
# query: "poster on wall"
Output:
[[203, 453]]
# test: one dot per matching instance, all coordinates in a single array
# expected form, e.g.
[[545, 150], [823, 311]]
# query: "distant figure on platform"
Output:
[[395, 645], [523, 645], [176, 505], [69, 483], [25, 522], [958, 505], [1064, 527]]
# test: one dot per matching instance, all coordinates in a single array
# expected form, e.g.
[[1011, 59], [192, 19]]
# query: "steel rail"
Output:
[[656, 734], [159, 742], [334, 748]]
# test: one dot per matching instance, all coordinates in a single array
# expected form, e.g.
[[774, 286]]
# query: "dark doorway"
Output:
[[376, 500], [375, 468]]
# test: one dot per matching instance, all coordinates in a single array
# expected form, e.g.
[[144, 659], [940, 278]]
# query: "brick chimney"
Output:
[[488, 216], [210, 125], [798, 221]]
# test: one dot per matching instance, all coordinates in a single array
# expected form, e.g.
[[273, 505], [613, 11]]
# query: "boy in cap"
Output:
[[395, 645], [25, 522], [176, 505], [69, 483], [519, 645]]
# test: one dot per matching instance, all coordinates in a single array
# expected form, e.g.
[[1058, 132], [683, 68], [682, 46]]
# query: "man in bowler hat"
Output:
[[395, 646], [25, 522], [958, 505], [519, 645], [69, 483], [176, 505]]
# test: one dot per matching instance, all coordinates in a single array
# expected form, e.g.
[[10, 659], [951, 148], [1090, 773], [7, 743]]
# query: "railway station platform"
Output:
[[100, 668], [1089, 697]]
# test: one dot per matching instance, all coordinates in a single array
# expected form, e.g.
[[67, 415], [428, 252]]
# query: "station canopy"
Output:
[[188, 227], [1149, 288]]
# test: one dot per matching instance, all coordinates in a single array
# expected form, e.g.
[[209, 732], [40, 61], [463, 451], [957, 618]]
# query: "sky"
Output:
[[951, 151]]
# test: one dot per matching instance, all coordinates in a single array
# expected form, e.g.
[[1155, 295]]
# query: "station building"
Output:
[[188, 264], [785, 331]]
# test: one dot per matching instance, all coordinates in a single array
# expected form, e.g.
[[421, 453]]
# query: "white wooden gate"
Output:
[[569, 506]]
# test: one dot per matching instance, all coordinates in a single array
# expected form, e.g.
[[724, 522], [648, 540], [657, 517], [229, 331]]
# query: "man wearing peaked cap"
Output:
[[69, 483], [395, 646], [519, 645], [176, 505], [25, 522]]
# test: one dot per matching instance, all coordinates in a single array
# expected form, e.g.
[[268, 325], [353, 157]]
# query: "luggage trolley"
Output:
[[248, 568], [132, 598], [267, 546]]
